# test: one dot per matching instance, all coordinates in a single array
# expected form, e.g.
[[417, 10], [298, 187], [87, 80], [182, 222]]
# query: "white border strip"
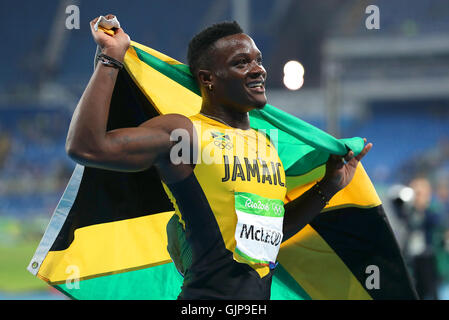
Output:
[[57, 220]]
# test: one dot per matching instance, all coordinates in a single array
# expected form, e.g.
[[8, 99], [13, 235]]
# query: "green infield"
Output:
[[14, 276], [19, 239]]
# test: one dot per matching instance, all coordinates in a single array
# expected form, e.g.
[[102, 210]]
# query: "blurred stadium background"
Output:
[[390, 85]]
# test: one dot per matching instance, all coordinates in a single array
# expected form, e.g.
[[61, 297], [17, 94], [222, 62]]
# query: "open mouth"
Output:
[[258, 85]]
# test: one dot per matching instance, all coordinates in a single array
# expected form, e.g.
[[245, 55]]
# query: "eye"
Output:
[[241, 62]]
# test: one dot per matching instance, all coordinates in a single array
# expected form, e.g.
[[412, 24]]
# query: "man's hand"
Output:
[[114, 46], [340, 170]]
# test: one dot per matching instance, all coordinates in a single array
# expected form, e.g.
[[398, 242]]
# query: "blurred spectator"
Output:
[[442, 198], [5, 146], [422, 224], [442, 241]]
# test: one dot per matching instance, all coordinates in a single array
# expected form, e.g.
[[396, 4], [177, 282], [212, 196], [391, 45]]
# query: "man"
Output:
[[422, 224], [229, 214]]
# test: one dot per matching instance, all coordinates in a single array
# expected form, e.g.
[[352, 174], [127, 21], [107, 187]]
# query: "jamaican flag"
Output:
[[107, 236]]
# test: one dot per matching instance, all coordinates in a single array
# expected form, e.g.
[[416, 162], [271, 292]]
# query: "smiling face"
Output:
[[237, 74]]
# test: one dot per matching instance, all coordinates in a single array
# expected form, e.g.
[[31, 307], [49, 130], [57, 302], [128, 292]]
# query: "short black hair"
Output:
[[199, 46]]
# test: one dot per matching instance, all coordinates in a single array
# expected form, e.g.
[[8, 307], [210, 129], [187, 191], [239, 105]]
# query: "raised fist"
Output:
[[112, 45]]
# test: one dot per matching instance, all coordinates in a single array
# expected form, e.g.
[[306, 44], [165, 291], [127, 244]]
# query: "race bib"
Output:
[[259, 228]]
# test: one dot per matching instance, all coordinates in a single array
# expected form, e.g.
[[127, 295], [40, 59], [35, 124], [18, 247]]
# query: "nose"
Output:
[[257, 70]]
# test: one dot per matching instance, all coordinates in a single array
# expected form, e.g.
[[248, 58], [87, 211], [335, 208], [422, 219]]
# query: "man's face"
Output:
[[238, 74]]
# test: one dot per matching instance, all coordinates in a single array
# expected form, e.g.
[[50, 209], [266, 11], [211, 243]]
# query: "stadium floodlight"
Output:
[[294, 67], [293, 75]]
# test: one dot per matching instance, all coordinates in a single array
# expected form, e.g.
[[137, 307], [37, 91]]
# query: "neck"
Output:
[[228, 116]]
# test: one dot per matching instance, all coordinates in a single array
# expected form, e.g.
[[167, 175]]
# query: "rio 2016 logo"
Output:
[[256, 205]]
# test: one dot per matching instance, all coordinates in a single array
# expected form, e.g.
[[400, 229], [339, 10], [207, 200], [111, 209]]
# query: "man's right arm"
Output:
[[88, 141]]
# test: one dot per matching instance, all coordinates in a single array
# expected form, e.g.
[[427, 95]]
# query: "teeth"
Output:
[[255, 84]]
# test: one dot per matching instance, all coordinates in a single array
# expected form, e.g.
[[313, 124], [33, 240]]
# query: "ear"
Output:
[[205, 78]]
